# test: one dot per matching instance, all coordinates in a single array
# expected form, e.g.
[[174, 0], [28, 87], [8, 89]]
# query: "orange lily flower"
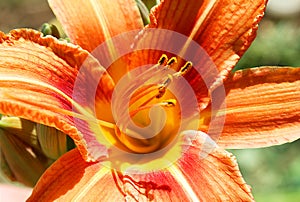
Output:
[[39, 81]]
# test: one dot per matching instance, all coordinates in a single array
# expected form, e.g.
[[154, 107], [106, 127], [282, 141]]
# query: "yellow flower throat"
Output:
[[150, 119]]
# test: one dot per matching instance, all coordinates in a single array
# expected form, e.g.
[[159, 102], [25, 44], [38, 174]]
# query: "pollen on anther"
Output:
[[186, 67], [170, 103], [172, 61], [163, 59]]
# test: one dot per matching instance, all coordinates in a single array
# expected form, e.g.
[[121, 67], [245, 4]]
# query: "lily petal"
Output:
[[213, 178], [263, 106], [178, 16], [37, 76], [227, 30], [211, 172], [224, 29], [90, 23], [71, 178]]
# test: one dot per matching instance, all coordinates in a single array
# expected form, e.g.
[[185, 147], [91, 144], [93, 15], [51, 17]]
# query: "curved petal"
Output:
[[211, 172], [227, 30], [224, 29], [37, 77], [91, 22], [178, 16], [193, 178], [71, 178], [263, 106]]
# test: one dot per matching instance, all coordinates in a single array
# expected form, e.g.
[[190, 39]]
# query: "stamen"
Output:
[[169, 103], [142, 94], [165, 103], [163, 59], [146, 75], [166, 82], [123, 117], [184, 69], [163, 86], [172, 61], [148, 92]]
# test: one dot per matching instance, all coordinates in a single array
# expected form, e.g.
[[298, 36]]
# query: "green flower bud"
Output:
[[53, 142], [50, 29]]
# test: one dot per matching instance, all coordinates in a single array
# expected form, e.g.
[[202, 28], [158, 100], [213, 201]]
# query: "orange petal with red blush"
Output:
[[227, 29], [201, 174], [224, 29], [37, 76], [91, 22], [175, 15], [263, 106]]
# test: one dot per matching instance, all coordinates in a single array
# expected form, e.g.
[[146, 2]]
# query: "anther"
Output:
[[163, 59], [169, 103], [187, 66], [184, 69], [172, 61]]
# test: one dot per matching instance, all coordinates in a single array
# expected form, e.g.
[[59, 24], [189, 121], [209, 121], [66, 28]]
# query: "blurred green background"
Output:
[[274, 172]]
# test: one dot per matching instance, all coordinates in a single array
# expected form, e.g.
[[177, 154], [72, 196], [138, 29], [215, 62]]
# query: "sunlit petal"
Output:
[[71, 178], [263, 107], [91, 22], [211, 172], [228, 30], [44, 71], [205, 172], [224, 29]]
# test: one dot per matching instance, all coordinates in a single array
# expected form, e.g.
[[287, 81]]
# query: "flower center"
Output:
[[146, 111]]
